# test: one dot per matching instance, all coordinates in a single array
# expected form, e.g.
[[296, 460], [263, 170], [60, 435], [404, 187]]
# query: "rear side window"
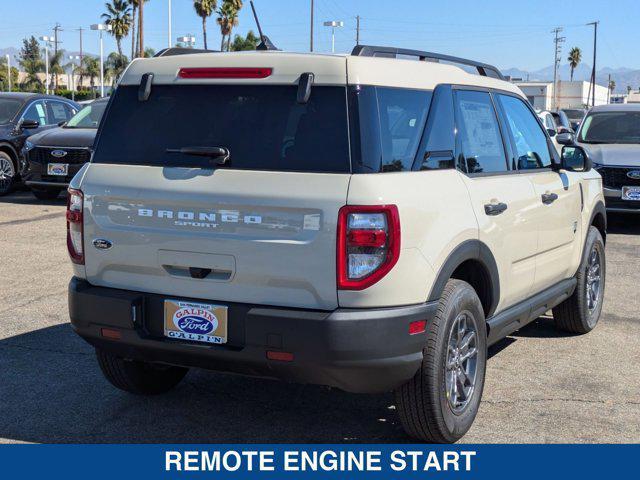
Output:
[[479, 133], [263, 127], [387, 125], [532, 149]]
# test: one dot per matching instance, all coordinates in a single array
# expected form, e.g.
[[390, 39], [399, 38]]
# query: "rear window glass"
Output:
[[263, 127]]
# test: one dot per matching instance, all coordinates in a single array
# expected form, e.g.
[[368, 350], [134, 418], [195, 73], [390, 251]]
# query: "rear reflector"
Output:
[[75, 226], [418, 326], [280, 356], [111, 333], [225, 72]]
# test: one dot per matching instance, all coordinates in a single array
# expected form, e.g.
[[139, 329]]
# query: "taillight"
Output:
[[368, 244], [224, 72], [75, 226]]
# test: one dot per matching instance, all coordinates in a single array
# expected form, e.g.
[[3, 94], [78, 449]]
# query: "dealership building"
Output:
[[574, 94]]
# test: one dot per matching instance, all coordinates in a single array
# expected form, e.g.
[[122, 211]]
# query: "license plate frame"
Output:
[[58, 169], [631, 193], [196, 322]]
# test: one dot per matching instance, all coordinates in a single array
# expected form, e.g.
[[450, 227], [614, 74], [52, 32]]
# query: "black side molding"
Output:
[[516, 317]]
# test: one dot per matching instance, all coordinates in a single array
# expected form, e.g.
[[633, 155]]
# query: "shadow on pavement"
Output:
[[53, 391], [623, 223], [25, 197]]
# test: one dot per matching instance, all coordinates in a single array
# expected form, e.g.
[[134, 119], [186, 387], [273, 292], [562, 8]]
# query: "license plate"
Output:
[[196, 322], [631, 193], [60, 169]]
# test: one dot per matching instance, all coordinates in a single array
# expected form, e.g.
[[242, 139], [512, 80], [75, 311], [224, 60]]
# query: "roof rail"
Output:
[[170, 52], [483, 69]]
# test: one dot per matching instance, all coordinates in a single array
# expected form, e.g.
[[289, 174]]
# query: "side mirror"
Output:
[[564, 130], [29, 124], [566, 138], [576, 159]]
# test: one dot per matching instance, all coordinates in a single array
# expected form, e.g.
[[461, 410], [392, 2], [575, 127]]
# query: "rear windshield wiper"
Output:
[[222, 154]]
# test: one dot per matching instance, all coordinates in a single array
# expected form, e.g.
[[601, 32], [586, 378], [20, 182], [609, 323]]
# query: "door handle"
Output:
[[495, 208], [549, 198]]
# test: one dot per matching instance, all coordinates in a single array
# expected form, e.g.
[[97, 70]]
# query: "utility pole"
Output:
[[557, 41], [311, 36], [80, 30], [56, 29], [593, 69], [357, 29]]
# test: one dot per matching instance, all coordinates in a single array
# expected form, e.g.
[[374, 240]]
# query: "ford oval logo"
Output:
[[194, 324], [58, 153], [102, 244], [635, 174]]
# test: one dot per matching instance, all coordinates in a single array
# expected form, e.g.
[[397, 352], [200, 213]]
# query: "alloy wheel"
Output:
[[594, 283], [461, 362], [7, 172]]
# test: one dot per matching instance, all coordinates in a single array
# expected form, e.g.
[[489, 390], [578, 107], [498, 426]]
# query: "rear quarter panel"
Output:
[[435, 217]]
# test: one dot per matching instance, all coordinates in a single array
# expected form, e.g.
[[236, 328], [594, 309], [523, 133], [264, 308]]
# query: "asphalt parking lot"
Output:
[[542, 386]]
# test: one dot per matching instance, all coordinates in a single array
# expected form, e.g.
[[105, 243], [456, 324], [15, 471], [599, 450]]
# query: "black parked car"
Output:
[[22, 115], [53, 157]]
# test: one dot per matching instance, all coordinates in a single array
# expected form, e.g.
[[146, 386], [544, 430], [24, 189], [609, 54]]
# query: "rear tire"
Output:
[[580, 312], [8, 173], [46, 194], [140, 378], [429, 407]]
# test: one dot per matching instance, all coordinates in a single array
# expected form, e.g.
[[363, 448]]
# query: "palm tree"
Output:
[[115, 66], [91, 68], [575, 57], [55, 67], [629, 89], [134, 11], [118, 15], [227, 19], [612, 85], [204, 9], [149, 52]]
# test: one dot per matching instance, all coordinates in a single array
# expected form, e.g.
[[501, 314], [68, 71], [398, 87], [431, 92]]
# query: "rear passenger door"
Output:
[[501, 198], [557, 207]]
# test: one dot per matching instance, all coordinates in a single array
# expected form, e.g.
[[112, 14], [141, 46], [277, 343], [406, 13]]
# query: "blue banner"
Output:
[[141, 462]]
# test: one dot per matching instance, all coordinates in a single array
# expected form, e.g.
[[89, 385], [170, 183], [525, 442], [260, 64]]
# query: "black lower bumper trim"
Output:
[[357, 350]]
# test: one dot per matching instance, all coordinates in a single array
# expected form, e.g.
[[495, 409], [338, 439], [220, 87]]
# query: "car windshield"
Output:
[[574, 114], [88, 117], [611, 127], [8, 109]]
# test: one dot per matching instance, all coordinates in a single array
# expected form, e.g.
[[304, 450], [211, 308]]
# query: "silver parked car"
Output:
[[612, 135]]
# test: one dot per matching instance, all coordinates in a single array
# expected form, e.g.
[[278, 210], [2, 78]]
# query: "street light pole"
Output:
[[170, 34], [100, 27], [9, 70], [593, 71], [333, 24], [46, 41], [73, 79]]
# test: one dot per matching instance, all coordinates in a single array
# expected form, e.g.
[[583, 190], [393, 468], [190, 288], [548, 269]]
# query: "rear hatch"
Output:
[[260, 229]]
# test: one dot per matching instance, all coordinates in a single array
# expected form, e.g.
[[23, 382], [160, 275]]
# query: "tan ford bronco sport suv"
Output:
[[368, 222]]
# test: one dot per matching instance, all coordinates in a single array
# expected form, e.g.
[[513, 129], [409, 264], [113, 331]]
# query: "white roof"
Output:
[[327, 70]]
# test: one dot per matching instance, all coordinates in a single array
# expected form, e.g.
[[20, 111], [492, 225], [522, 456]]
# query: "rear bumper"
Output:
[[356, 350]]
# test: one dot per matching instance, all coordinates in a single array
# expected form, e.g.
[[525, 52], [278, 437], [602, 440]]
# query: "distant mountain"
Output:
[[622, 76]]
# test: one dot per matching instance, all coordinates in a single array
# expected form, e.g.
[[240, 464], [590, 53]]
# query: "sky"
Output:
[[505, 33]]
